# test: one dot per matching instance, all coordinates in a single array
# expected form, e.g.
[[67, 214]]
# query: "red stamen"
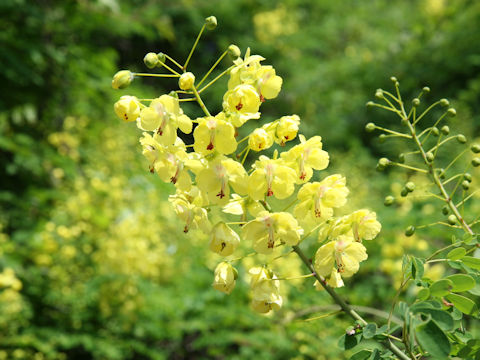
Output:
[[270, 192], [262, 99], [221, 194], [239, 106], [210, 146]]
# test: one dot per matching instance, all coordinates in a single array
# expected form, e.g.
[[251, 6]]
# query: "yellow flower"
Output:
[[268, 84], [271, 177], [221, 173], [334, 280], [225, 276], [186, 81], [318, 198], [240, 205], [165, 116], [242, 103], [214, 134], [127, 108], [245, 70], [265, 290], [344, 255], [287, 129], [270, 228], [364, 224], [223, 240], [194, 216], [260, 139], [305, 157]]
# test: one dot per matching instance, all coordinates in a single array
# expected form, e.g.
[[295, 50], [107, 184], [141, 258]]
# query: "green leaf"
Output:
[[417, 268], [361, 355], [471, 262], [348, 341], [456, 254], [441, 287], [461, 282], [423, 294], [462, 303], [432, 339], [475, 290], [369, 331], [442, 318]]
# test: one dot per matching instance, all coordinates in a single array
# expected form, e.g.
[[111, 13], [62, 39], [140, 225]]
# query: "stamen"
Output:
[[239, 106]]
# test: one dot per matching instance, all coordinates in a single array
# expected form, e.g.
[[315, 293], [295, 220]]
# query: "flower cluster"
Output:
[[208, 174]]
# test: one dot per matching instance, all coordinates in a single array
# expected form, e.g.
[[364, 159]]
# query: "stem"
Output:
[[218, 77], [173, 61], [212, 68], [156, 75], [193, 48], [200, 102]]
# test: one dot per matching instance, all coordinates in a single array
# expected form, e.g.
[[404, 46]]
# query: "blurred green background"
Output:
[[94, 264]]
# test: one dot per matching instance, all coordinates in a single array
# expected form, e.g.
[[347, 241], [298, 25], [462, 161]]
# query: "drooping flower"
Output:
[[128, 108], [223, 239], [242, 104], [269, 229], [364, 224], [265, 290], [268, 83], [194, 216], [214, 134], [287, 129], [224, 277], [260, 139]]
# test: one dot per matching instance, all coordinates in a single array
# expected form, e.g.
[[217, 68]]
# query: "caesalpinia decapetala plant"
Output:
[[212, 173]]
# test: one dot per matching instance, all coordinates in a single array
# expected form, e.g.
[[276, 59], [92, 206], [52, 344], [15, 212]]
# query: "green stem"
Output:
[[200, 101], [212, 68], [218, 77], [156, 75], [193, 48], [173, 61]]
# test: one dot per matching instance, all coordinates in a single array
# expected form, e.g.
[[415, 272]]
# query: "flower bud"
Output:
[[186, 81], [475, 148], [173, 93], [150, 60], [370, 127], [410, 186], [393, 79], [161, 57], [476, 161], [224, 277], [122, 79], [445, 130], [370, 103], [461, 139], [452, 219], [211, 22], [430, 156], [127, 108], [389, 200], [379, 94], [409, 231], [441, 173], [384, 162], [452, 112], [426, 89], [467, 176], [435, 131], [234, 51], [223, 240], [382, 138], [404, 192], [465, 185], [416, 102], [401, 158], [445, 210], [444, 102]]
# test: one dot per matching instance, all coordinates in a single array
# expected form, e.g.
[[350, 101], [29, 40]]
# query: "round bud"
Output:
[[150, 60], [409, 231], [389, 200], [445, 210], [186, 81], [426, 89], [452, 112], [404, 192], [382, 138], [404, 122], [435, 131], [467, 176], [234, 51], [465, 185], [444, 102], [173, 94], [393, 79], [122, 79], [430, 156], [461, 139], [445, 130], [401, 158], [161, 57], [416, 102], [475, 148], [379, 94], [452, 219], [211, 22], [476, 161], [370, 103], [370, 127], [441, 173], [410, 186], [384, 162]]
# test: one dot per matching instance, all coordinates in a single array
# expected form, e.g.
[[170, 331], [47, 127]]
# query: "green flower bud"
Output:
[[234, 51], [401, 158], [465, 184], [370, 127], [475, 148], [444, 102], [416, 102], [370, 103], [430, 156], [461, 139], [211, 22], [382, 138], [435, 131], [186, 81], [452, 219], [404, 192], [393, 79], [410, 186], [384, 162], [445, 130], [445, 210], [379, 94], [452, 112], [161, 58], [173, 94], [150, 60], [476, 161], [441, 173], [409, 231], [122, 79], [467, 176], [389, 200], [426, 89]]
